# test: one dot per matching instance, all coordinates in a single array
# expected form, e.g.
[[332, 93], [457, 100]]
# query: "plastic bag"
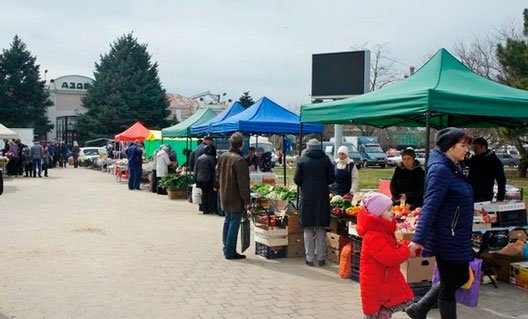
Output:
[[196, 195], [345, 268]]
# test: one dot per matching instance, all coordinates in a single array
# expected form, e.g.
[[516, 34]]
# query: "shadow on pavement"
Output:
[[3, 316]]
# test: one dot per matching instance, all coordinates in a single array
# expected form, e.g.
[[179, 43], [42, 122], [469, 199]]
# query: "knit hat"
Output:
[[448, 137], [408, 152], [313, 144], [377, 203], [342, 149]]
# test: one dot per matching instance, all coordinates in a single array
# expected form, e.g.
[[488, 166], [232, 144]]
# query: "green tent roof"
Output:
[[444, 86], [183, 129]]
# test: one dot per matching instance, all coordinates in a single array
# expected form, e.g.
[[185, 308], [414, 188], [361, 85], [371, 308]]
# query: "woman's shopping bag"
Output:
[[468, 297], [196, 195]]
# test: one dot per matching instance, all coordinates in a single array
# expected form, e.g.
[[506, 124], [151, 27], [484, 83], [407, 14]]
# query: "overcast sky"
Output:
[[234, 45]]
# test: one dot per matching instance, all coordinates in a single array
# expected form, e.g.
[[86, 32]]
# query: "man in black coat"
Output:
[[314, 173], [208, 140], [204, 171], [484, 169]]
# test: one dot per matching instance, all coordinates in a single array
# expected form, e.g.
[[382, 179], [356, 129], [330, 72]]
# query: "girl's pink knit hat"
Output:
[[377, 203]]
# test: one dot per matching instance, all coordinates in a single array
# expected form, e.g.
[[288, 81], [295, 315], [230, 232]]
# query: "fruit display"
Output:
[[405, 211], [342, 206]]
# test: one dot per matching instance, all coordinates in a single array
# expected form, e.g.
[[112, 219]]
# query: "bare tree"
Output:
[[383, 70]]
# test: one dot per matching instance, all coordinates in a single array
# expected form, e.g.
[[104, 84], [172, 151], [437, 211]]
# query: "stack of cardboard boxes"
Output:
[[335, 243], [519, 274], [295, 246]]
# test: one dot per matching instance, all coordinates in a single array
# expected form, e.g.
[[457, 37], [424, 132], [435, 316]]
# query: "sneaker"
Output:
[[322, 262], [310, 263]]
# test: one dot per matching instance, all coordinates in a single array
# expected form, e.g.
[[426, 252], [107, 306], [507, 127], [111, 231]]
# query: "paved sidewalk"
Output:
[[81, 245]]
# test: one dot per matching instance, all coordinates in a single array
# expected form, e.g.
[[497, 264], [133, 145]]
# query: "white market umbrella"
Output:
[[7, 133]]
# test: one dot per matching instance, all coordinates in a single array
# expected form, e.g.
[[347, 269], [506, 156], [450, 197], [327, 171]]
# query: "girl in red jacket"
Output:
[[383, 288]]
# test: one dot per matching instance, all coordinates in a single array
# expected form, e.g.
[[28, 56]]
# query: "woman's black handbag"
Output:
[[244, 231]]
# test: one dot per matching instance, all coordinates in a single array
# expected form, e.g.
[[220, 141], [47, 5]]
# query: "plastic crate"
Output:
[[355, 259], [356, 242], [270, 252], [511, 218], [354, 274]]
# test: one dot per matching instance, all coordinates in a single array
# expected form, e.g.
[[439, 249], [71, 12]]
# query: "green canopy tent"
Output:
[[183, 129], [442, 93]]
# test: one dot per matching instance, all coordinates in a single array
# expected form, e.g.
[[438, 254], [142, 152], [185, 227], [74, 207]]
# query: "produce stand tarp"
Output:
[[136, 132], [264, 117], [177, 144], [227, 113], [7, 133], [443, 87], [183, 129]]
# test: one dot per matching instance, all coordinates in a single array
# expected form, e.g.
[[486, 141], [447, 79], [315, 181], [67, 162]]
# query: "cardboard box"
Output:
[[336, 241], [418, 269], [293, 224], [332, 255], [404, 236], [500, 263], [295, 250], [338, 226], [519, 274]]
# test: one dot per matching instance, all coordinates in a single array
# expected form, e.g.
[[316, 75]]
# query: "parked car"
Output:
[[92, 152], [421, 158], [394, 160], [508, 160], [513, 152]]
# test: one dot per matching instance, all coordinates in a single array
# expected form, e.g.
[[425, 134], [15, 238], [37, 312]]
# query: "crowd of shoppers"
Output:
[[35, 160]]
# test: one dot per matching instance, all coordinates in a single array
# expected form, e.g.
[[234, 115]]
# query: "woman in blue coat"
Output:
[[446, 220]]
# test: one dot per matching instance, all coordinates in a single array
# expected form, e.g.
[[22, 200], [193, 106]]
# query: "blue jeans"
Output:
[[134, 177], [230, 235], [37, 163]]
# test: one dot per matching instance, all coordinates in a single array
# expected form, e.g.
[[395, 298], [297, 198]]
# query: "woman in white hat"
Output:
[[346, 173]]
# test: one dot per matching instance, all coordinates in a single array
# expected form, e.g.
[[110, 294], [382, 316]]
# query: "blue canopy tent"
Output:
[[265, 117], [203, 128]]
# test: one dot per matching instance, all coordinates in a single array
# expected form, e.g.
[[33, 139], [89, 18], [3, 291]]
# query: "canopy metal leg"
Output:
[[300, 145], [427, 137]]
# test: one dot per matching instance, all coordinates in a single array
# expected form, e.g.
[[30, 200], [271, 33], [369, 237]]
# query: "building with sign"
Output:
[[66, 93]]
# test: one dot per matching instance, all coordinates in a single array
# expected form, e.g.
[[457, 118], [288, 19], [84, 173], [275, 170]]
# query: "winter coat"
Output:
[[380, 278], [484, 169], [314, 174], [36, 151], [446, 219], [204, 169], [252, 161], [409, 182], [196, 154], [134, 154], [162, 164], [232, 179]]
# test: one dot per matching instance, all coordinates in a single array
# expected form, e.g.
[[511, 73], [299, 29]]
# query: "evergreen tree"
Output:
[[126, 89], [23, 100], [513, 58], [246, 100]]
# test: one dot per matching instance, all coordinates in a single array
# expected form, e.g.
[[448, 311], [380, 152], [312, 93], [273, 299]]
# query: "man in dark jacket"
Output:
[[135, 162], [208, 140], [313, 174], [204, 170], [407, 183], [484, 169], [232, 179]]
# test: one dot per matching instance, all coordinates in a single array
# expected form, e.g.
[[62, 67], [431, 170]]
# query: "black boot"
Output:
[[420, 309], [447, 309]]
